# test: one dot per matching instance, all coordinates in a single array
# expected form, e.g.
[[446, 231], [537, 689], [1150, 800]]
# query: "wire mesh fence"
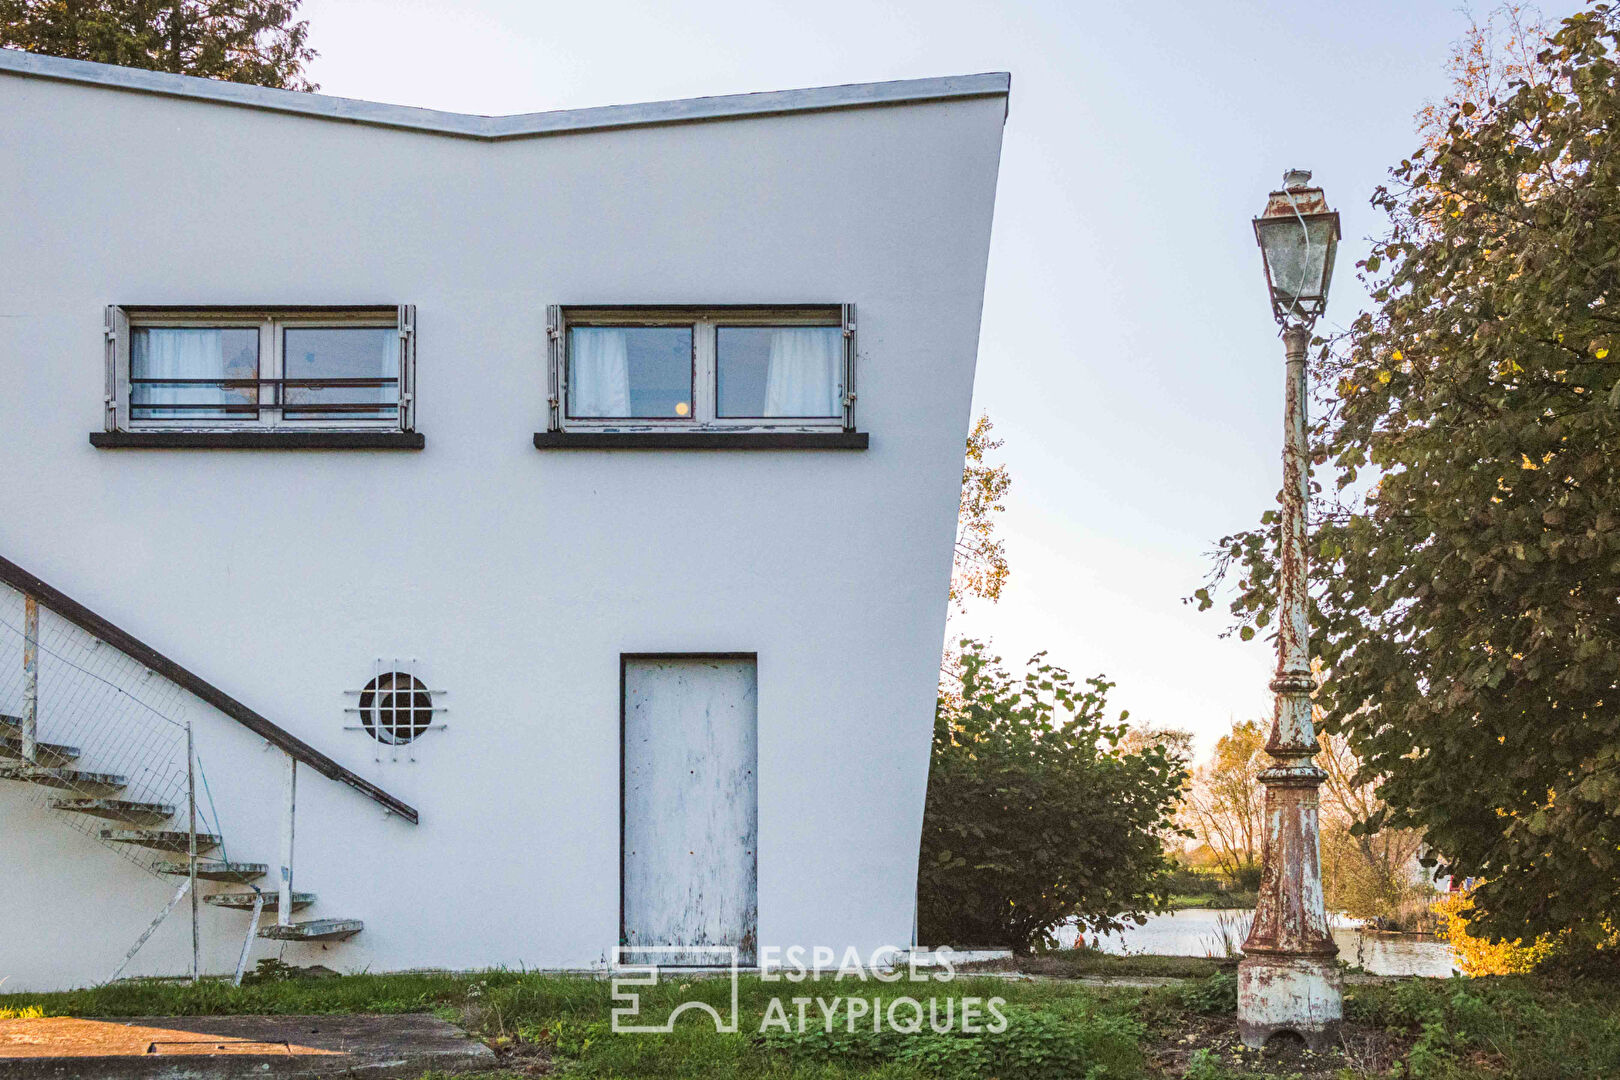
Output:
[[111, 751]]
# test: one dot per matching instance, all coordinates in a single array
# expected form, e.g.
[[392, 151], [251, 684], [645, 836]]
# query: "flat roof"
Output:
[[517, 126]]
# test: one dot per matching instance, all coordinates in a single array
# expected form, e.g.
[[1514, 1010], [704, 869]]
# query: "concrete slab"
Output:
[[226, 1047]]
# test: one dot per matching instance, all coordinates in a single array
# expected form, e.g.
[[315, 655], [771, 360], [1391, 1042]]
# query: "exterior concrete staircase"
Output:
[[112, 702], [139, 824]]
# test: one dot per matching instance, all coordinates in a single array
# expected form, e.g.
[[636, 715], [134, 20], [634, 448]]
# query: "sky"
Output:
[[1128, 357]]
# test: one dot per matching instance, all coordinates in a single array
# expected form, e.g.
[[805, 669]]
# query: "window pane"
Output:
[[793, 371], [183, 373], [629, 372], [341, 372]]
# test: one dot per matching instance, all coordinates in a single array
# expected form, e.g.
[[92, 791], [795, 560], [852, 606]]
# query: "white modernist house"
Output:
[[539, 526]]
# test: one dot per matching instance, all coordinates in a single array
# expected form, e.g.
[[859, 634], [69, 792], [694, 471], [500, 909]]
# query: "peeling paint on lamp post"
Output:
[[1288, 980]]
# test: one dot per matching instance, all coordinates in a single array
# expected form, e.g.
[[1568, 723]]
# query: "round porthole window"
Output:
[[395, 708]]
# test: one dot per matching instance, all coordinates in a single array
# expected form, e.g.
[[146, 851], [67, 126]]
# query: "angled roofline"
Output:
[[517, 126]]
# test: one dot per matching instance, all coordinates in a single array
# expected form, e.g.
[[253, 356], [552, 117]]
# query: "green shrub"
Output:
[[1213, 996], [1245, 879], [1035, 814], [1185, 881]]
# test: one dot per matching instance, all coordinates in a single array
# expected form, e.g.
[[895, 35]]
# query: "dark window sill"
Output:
[[257, 440], [700, 440]]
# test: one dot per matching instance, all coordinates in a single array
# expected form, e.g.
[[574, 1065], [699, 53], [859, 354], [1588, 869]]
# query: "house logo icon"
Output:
[[638, 967]]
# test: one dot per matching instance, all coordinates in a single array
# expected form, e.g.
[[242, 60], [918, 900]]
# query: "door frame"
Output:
[[625, 660]]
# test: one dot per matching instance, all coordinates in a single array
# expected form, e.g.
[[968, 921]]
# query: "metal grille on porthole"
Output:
[[396, 706]]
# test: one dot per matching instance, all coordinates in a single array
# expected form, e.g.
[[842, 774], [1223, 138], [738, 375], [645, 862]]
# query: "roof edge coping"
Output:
[[516, 126]]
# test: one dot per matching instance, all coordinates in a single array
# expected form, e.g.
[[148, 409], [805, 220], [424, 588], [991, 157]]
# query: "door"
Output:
[[691, 809]]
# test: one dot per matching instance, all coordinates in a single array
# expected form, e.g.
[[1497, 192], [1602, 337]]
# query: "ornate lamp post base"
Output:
[[1299, 994], [1288, 980]]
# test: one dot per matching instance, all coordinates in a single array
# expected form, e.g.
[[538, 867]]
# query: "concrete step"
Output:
[[75, 780], [314, 930], [49, 754], [161, 839], [243, 901], [132, 813], [239, 873]]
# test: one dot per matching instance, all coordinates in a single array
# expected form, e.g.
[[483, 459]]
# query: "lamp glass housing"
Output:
[[1299, 238]]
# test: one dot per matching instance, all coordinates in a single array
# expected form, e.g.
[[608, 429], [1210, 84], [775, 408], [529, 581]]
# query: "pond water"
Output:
[[1204, 932]]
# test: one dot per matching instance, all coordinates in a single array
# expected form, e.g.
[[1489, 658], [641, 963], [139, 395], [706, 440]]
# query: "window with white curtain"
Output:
[[729, 368], [281, 368]]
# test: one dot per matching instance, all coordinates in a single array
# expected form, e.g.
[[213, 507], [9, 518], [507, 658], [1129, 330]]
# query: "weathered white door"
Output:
[[690, 808]]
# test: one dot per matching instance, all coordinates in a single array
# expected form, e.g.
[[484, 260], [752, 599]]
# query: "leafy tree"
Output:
[[980, 565], [1467, 596], [1479, 956], [245, 41], [1365, 874], [1034, 813], [1224, 804], [1368, 874], [1177, 742], [1484, 64]]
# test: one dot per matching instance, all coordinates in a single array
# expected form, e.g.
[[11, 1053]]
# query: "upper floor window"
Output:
[[281, 368], [726, 368]]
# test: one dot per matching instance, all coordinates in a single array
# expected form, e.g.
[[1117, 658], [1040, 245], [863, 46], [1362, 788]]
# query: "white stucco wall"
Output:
[[517, 577]]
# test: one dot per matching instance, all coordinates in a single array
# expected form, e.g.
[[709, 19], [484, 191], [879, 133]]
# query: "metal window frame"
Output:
[[272, 322], [705, 321], [581, 319]]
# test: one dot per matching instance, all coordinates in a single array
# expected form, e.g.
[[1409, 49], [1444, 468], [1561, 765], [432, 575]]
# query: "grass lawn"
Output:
[[1520, 1028], [1220, 901], [1078, 963]]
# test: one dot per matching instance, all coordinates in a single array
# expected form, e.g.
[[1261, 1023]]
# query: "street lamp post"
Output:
[[1288, 980]]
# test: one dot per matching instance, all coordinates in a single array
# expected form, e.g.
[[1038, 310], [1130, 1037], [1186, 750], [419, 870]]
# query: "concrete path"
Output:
[[225, 1047]]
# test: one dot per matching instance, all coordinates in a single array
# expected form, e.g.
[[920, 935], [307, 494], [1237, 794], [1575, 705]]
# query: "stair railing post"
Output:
[[253, 932], [30, 716], [284, 901], [191, 854]]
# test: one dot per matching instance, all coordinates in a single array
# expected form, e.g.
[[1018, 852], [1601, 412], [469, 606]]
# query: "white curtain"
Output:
[[598, 372], [176, 353], [804, 374]]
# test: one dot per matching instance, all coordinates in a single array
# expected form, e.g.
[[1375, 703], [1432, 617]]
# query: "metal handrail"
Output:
[[294, 747]]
